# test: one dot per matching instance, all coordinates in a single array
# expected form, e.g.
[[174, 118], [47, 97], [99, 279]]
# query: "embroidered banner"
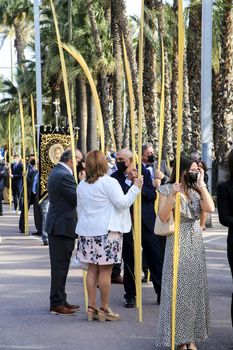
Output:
[[51, 147]]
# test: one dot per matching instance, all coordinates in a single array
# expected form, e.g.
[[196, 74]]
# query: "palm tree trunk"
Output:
[[187, 123], [117, 76], [194, 72], [149, 83], [81, 110], [119, 8], [19, 43], [103, 77], [91, 122], [226, 71], [167, 142]]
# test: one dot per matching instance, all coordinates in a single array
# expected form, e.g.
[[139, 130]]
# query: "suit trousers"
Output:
[[60, 251], [230, 259], [17, 195], [153, 255], [1, 198], [128, 258]]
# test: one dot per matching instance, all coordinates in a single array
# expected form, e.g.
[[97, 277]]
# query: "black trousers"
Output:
[[1, 198], [37, 214], [153, 255], [17, 189], [60, 251], [128, 258], [230, 259]]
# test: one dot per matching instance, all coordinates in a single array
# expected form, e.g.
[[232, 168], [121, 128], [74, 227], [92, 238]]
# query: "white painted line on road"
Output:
[[212, 239], [216, 251]]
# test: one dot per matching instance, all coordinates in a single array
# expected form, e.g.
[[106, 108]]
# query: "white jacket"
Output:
[[102, 207]]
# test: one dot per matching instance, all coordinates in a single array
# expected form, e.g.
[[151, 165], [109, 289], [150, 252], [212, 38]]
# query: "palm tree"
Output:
[[194, 71], [16, 14], [226, 78], [149, 75], [117, 76], [103, 69]]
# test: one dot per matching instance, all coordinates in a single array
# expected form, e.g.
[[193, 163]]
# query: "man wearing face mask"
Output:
[[150, 243], [158, 176]]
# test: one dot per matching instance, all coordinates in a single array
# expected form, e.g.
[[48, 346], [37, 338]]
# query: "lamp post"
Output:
[[206, 89]]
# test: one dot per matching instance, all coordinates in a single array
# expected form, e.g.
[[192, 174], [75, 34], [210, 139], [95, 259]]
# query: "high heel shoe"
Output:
[[107, 315], [92, 314]]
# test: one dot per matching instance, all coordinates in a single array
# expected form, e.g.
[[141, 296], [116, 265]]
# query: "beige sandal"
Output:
[[92, 314], [107, 315]]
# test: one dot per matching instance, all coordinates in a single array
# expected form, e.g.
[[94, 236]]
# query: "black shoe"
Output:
[[130, 302], [1, 214], [36, 233], [45, 242]]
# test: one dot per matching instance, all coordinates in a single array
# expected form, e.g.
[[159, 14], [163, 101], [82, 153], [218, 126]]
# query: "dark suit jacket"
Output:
[[148, 196], [225, 207], [17, 172], [62, 217], [2, 177]]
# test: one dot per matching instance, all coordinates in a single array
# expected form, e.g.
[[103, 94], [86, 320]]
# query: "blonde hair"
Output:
[[96, 166]]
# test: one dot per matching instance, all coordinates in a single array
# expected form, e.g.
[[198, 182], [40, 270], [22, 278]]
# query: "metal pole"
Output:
[[206, 87], [38, 67]]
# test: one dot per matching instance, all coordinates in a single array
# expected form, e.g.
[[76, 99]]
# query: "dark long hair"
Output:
[[185, 164], [230, 164]]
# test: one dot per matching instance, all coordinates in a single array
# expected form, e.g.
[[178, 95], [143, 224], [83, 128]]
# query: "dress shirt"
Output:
[[102, 207], [150, 167], [35, 183], [67, 167]]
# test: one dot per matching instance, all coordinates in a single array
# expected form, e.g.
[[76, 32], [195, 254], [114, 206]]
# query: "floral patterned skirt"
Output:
[[100, 250]]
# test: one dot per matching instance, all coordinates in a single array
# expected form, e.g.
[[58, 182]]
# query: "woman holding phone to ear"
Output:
[[192, 307]]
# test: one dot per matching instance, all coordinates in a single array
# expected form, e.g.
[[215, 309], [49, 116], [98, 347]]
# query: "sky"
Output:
[[133, 8]]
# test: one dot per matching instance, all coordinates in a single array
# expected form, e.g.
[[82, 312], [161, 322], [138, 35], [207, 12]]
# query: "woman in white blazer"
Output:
[[103, 216]]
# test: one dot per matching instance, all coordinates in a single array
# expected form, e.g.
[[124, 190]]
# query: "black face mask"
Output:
[[151, 158], [80, 167], [121, 167], [193, 177], [33, 162]]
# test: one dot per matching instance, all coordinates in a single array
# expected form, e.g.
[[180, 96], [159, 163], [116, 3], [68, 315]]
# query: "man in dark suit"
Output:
[[60, 225], [150, 243], [17, 181], [3, 175], [31, 172], [158, 176]]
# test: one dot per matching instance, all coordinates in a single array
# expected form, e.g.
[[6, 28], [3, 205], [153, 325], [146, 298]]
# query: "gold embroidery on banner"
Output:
[[51, 148]]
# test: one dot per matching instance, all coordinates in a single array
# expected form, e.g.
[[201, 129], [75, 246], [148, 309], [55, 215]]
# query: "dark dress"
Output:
[[225, 212]]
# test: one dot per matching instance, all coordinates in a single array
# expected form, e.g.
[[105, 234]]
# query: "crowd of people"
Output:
[[96, 215]]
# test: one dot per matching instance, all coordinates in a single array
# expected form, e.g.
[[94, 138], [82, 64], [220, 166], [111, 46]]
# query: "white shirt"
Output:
[[151, 169], [103, 207], [67, 167]]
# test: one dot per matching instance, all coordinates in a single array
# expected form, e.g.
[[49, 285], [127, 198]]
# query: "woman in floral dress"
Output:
[[103, 215], [192, 308]]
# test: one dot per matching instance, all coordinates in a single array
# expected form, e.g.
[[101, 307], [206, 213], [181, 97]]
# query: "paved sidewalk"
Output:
[[25, 322]]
